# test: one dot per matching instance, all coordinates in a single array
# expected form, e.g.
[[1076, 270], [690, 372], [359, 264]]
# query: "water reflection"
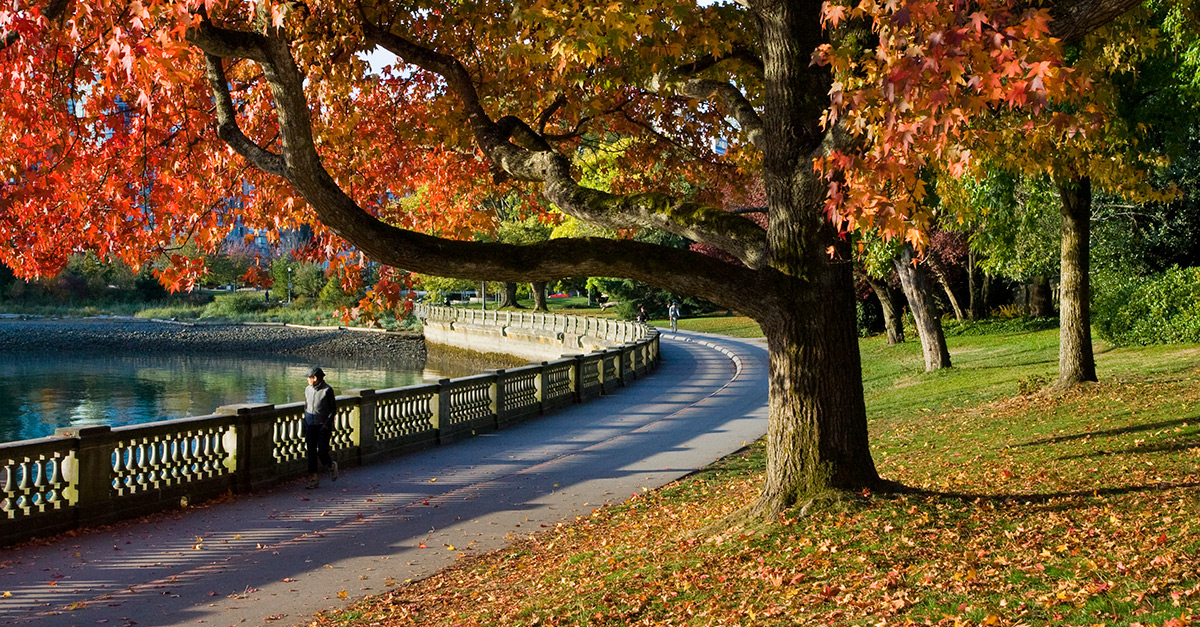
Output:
[[41, 392]]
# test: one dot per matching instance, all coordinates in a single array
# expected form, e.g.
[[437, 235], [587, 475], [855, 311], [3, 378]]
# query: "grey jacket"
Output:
[[320, 404]]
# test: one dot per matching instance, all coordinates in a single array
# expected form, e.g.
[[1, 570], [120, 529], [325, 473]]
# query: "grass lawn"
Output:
[[1030, 509]]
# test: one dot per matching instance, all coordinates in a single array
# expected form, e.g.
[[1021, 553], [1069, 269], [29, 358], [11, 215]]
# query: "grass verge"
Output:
[[1031, 509]]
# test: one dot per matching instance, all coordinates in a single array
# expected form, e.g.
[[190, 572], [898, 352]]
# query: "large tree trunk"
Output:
[[508, 297], [892, 320], [817, 432], [1040, 300], [539, 295], [915, 281], [817, 436], [1076, 362]]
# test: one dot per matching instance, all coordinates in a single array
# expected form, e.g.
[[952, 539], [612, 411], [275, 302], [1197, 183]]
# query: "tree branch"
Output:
[[227, 126], [536, 161], [1074, 19], [53, 12], [684, 81]]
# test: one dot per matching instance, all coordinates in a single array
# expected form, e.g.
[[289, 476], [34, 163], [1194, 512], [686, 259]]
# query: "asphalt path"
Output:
[[281, 555]]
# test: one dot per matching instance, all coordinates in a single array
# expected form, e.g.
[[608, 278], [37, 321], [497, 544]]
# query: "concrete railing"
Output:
[[533, 336], [84, 476]]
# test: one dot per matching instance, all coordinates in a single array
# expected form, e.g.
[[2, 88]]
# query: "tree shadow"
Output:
[[1040, 498], [1165, 447], [1112, 432]]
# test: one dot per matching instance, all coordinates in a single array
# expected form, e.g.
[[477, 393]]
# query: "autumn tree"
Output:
[[129, 123]]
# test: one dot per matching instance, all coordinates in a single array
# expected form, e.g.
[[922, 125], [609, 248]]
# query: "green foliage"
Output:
[[307, 278], [85, 279], [333, 295], [232, 306], [869, 316], [437, 288], [1164, 308], [1017, 222], [527, 231], [631, 294], [997, 325]]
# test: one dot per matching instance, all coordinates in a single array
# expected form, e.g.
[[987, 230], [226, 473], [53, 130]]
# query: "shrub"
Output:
[[234, 305], [332, 295], [1159, 309]]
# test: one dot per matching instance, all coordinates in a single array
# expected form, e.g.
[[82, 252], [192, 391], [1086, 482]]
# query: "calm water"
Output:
[[39, 393]]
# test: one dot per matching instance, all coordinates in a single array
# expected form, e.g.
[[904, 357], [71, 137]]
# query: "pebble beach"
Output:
[[91, 336]]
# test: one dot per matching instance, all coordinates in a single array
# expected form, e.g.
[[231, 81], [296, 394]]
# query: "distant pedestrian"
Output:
[[641, 315], [320, 407], [673, 314]]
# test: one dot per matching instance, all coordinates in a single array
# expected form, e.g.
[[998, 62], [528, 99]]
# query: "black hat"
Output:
[[316, 371]]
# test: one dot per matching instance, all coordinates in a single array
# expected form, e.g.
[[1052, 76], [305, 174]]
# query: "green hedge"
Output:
[[1159, 309]]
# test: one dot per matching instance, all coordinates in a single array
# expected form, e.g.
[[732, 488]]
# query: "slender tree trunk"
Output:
[[939, 273], [977, 306], [893, 322], [915, 281], [539, 295], [1040, 301], [1076, 363]]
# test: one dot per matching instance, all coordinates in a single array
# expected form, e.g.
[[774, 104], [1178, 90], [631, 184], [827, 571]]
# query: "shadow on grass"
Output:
[[1041, 498], [1166, 447], [1112, 432]]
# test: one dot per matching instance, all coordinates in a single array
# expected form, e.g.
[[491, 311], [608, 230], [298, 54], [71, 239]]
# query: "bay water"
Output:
[[40, 392]]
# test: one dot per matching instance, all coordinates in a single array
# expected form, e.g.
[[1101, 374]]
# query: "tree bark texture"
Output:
[[1040, 300], [893, 321], [817, 434], [508, 297], [539, 295], [812, 443], [915, 281], [1076, 362]]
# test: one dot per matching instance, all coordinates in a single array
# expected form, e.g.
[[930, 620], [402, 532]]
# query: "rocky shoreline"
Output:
[[92, 336]]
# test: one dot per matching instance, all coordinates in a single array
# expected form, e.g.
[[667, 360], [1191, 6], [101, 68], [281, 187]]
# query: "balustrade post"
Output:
[[362, 423], [253, 449], [541, 384], [496, 395], [577, 376], [443, 411], [91, 476]]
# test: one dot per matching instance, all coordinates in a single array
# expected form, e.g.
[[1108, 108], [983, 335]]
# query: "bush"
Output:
[[1159, 309], [234, 305], [332, 295]]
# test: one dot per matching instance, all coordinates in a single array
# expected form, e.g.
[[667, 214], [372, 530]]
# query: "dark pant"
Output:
[[316, 442]]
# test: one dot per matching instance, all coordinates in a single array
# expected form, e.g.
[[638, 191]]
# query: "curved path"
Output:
[[284, 554]]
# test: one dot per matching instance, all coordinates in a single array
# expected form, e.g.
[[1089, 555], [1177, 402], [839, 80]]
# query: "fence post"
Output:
[[362, 423], [93, 472]]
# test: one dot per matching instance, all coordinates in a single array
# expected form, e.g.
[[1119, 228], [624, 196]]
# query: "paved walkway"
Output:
[[279, 556]]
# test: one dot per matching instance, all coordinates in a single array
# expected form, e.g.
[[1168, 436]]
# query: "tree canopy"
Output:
[[135, 125]]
